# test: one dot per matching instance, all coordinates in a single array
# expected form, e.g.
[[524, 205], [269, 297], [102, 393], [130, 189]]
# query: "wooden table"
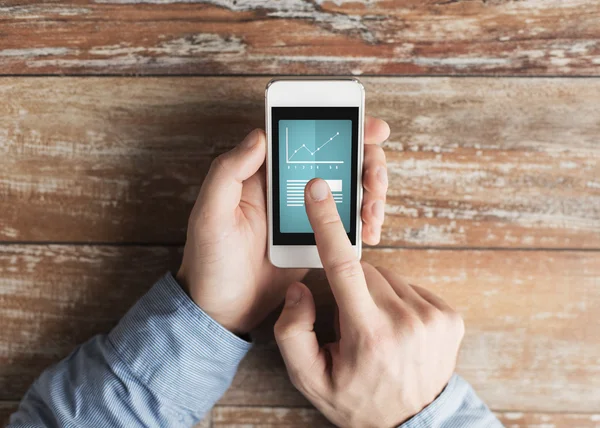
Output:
[[494, 160]]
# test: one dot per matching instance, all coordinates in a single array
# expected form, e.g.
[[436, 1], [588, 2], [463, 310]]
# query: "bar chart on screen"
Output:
[[295, 192]]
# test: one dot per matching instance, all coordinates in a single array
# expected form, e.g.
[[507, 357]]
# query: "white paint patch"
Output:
[[513, 416], [402, 210], [568, 165], [533, 54], [427, 235], [550, 315], [560, 62], [460, 62], [343, 2], [41, 10], [36, 52], [593, 185], [184, 46], [326, 58], [9, 232], [583, 47]]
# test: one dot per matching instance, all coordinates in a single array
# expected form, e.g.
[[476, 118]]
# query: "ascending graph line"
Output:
[[303, 146]]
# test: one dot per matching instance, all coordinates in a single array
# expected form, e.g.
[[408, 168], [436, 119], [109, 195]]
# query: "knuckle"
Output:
[[458, 323], [220, 163], [347, 269], [376, 151], [432, 315], [413, 325], [278, 329], [374, 338], [329, 218], [282, 330], [295, 377]]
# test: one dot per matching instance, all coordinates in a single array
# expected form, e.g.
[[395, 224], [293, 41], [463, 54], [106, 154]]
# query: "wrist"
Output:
[[221, 316]]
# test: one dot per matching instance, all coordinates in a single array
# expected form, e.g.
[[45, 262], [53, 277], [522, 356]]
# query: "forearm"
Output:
[[458, 406], [165, 364]]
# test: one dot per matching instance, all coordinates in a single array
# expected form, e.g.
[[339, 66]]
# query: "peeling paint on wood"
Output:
[[532, 37], [473, 162]]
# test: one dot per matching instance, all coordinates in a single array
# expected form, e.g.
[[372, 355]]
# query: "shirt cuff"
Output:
[[176, 349], [444, 406]]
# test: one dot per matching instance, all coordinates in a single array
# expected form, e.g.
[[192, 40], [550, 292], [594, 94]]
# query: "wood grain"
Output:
[[263, 417], [473, 162], [533, 329], [532, 37], [549, 420], [266, 417], [532, 318], [294, 417], [53, 298], [6, 409]]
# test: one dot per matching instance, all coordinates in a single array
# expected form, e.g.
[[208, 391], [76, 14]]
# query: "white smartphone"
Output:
[[314, 129]]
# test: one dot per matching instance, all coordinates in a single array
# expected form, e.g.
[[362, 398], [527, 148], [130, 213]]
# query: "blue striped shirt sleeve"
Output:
[[456, 407], [164, 365]]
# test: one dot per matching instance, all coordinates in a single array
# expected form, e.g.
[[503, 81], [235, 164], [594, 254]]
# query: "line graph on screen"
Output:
[[302, 154]]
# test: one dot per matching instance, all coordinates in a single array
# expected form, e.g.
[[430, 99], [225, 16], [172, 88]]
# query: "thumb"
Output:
[[222, 189], [305, 360]]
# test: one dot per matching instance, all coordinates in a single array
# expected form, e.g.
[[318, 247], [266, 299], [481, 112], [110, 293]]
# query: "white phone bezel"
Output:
[[343, 92]]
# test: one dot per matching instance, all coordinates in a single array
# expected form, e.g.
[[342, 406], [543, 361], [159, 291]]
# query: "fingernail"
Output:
[[319, 190], [250, 140], [382, 175], [293, 295], [378, 210]]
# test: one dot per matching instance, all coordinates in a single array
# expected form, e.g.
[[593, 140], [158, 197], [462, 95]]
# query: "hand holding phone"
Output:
[[225, 267], [397, 342]]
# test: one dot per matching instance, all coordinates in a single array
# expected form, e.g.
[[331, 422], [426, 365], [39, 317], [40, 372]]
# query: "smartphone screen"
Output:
[[310, 142]]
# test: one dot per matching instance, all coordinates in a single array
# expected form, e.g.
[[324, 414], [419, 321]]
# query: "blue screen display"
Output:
[[310, 149], [308, 143]]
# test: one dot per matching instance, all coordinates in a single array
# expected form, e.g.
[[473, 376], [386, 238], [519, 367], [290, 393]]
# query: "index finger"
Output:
[[339, 259]]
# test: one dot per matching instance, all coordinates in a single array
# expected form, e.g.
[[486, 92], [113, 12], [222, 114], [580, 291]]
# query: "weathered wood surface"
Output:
[[533, 317], [263, 417], [533, 329], [6, 409], [285, 417], [549, 420], [474, 162], [53, 298], [9, 407], [531, 37]]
